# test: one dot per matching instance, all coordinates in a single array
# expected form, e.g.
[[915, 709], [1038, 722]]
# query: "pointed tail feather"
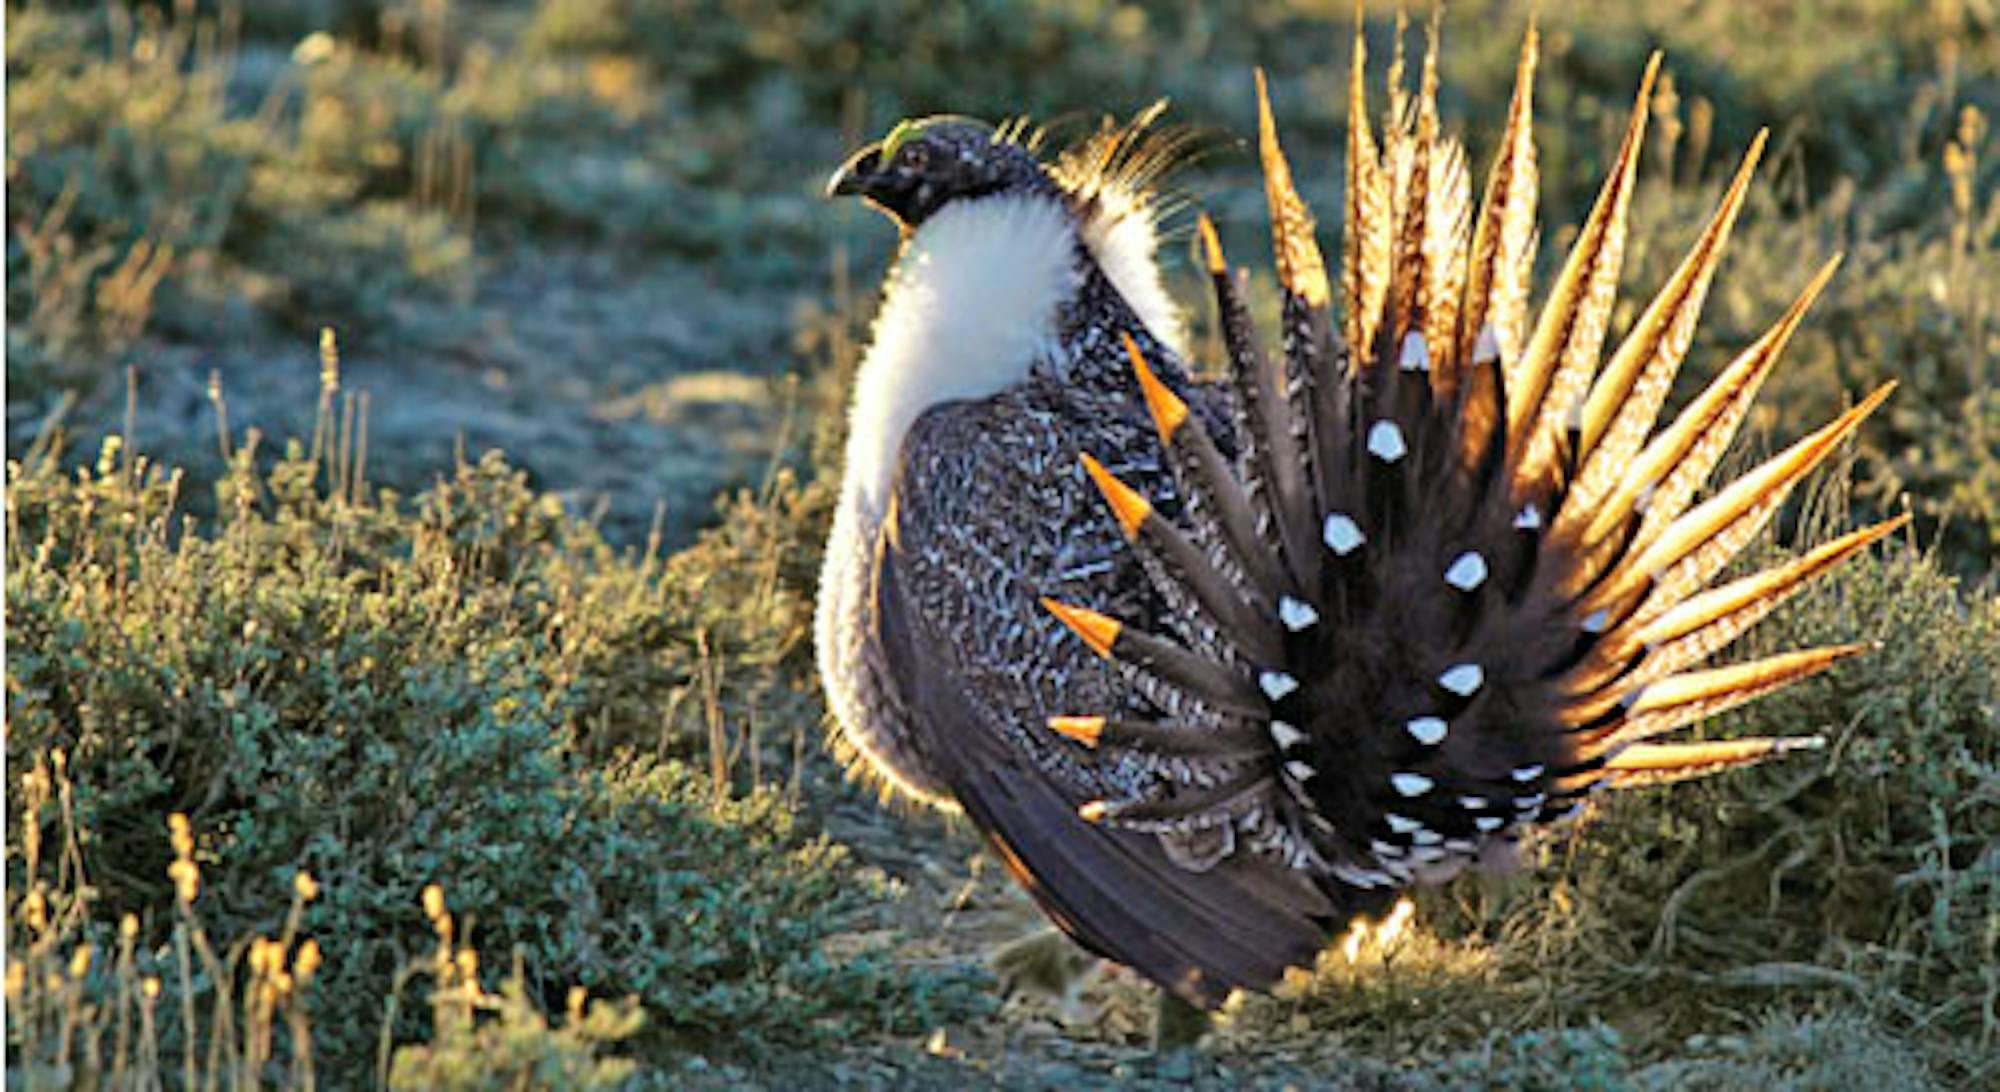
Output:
[[1452, 587], [1647, 764]]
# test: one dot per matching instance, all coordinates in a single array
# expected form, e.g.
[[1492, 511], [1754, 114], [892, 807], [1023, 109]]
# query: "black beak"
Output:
[[862, 174], [898, 193]]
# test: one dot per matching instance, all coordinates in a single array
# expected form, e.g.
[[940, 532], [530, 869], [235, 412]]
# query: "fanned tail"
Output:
[[1456, 580]]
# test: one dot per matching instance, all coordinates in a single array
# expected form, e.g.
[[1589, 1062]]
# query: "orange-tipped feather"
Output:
[[1099, 631], [1084, 730], [1166, 407], [1127, 505]]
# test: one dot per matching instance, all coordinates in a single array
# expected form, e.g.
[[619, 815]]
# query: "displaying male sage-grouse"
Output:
[[1217, 667]]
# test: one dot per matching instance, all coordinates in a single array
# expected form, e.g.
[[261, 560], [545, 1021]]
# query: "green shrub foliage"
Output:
[[386, 693]]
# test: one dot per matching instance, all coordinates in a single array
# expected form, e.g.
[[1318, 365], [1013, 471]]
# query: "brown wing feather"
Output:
[[1202, 934]]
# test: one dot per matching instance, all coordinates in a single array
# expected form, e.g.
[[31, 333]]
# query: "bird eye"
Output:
[[915, 156]]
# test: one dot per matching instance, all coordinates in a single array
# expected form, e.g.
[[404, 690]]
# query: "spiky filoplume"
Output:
[[1457, 580]]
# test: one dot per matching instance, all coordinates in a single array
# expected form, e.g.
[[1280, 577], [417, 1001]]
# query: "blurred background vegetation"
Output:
[[572, 686]]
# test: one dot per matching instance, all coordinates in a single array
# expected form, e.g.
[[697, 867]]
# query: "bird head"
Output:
[[925, 164]]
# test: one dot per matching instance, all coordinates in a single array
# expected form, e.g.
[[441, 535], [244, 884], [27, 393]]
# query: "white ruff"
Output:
[[970, 306]]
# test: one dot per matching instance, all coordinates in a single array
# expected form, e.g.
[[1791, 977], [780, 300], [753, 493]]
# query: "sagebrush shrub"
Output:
[[388, 694]]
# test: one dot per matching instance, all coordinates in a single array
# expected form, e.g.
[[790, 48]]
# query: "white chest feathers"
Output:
[[969, 307]]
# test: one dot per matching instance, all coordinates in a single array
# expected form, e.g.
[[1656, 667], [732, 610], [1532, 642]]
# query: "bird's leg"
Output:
[[1177, 1025]]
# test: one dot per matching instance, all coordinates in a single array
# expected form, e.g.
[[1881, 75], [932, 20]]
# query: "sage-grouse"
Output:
[[1217, 667]]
